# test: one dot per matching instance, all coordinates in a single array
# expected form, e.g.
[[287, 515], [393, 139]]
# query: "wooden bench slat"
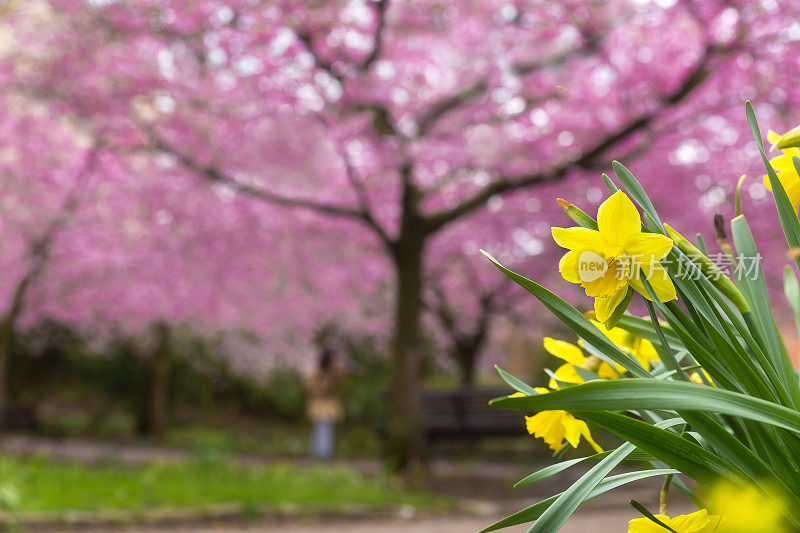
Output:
[[466, 413]]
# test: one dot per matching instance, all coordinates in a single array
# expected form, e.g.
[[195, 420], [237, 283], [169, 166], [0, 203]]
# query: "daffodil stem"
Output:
[[662, 499], [662, 348]]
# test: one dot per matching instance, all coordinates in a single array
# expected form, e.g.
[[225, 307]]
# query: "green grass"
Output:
[[46, 485]]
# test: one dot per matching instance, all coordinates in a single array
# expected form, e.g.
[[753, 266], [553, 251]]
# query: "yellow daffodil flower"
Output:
[[606, 261], [573, 356], [784, 168], [556, 426], [699, 522], [747, 510], [642, 349], [697, 378]]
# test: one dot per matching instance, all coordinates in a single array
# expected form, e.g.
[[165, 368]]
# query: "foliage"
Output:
[[721, 406], [364, 390], [53, 360]]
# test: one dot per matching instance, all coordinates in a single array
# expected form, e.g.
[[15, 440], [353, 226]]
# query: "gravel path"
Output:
[[590, 521]]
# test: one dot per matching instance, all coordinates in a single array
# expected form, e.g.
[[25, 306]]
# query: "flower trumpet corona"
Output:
[[606, 261]]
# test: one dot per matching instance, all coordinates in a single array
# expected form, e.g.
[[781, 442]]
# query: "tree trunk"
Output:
[[6, 333], [158, 384], [406, 439], [466, 360]]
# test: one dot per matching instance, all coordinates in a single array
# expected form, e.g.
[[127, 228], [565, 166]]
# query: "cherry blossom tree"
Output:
[[397, 138]]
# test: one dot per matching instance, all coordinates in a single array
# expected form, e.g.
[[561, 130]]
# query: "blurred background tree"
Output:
[[275, 166]]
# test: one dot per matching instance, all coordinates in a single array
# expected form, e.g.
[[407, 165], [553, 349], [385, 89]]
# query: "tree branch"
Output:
[[362, 195], [588, 159], [380, 8], [39, 249], [442, 107], [321, 63], [216, 175], [591, 44]]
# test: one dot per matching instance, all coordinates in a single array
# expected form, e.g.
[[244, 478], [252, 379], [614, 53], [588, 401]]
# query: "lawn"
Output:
[[42, 484]]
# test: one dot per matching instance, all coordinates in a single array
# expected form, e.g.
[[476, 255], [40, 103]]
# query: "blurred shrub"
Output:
[[85, 389], [284, 392], [50, 361], [364, 390]]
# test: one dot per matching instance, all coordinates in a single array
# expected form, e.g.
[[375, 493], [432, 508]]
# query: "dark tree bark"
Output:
[[6, 333], [405, 447], [9, 321], [157, 395], [466, 355]]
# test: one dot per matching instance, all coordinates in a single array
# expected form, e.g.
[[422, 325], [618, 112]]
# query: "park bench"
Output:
[[464, 413]]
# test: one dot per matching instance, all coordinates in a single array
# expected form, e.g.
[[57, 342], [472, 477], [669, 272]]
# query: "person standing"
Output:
[[323, 408]]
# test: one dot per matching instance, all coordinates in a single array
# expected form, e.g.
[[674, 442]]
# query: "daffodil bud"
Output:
[[790, 139], [577, 214], [722, 234], [714, 274]]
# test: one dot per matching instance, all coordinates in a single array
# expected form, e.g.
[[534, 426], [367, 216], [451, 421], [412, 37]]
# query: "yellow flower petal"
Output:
[[773, 137], [787, 173], [784, 161], [607, 372], [604, 307], [618, 218], [548, 426], [691, 523], [659, 280], [645, 525], [747, 510], [790, 181], [568, 266], [644, 350], [566, 373], [577, 238], [697, 378], [564, 350], [697, 522], [572, 429], [645, 248], [588, 436]]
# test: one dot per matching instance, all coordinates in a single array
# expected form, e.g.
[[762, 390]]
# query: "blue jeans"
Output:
[[322, 439]]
